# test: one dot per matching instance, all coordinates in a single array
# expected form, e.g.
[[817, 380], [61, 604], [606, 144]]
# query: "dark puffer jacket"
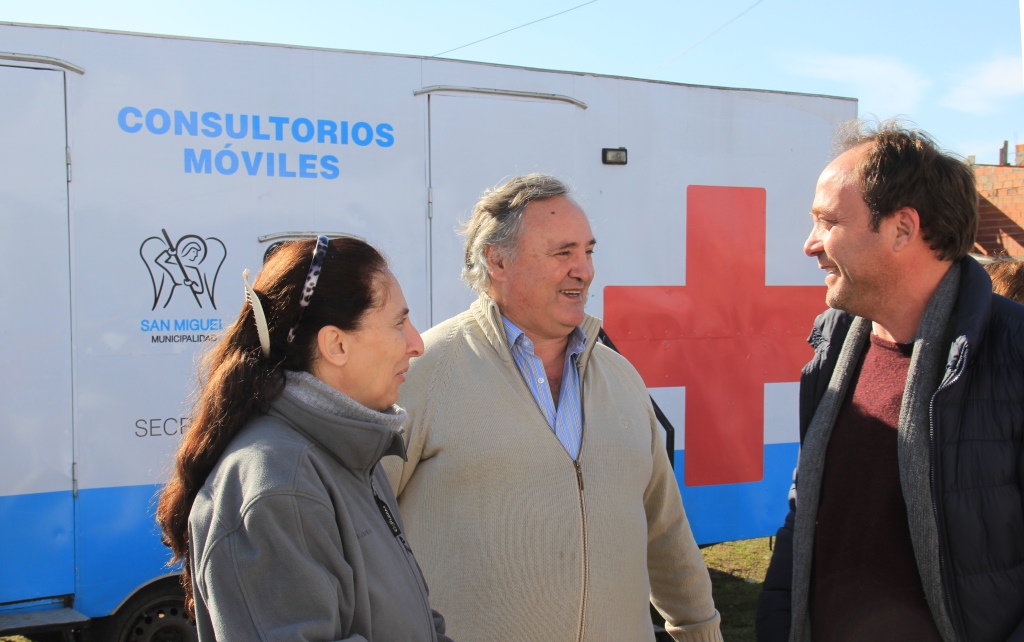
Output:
[[977, 466]]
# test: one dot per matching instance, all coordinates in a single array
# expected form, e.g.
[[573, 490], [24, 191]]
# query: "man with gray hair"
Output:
[[537, 491]]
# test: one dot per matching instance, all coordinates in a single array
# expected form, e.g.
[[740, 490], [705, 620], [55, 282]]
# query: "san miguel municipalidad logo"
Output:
[[182, 270]]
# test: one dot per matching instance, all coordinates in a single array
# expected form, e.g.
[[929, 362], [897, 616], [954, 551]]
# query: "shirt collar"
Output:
[[577, 338]]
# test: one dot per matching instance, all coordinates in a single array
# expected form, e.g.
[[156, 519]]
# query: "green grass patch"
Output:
[[737, 571]]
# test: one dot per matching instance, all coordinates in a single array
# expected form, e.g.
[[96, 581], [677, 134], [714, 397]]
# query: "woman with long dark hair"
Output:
[[286, 526]]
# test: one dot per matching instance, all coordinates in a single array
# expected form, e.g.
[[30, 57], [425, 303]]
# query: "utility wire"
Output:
[[702, 40], [514, 28]]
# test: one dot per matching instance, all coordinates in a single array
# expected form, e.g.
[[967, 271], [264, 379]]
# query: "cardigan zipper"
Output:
[[947, 592], [579, 479], [583, 505], [583, 516]]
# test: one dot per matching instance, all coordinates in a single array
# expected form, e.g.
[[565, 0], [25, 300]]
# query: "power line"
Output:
[[702, 40], [514, 28]]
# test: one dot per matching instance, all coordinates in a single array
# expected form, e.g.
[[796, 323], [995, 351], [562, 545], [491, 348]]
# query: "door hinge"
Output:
[[67, 154], [430, 202], [74, 479]]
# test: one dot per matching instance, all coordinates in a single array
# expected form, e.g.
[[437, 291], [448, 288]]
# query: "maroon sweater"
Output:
[[865, 584]]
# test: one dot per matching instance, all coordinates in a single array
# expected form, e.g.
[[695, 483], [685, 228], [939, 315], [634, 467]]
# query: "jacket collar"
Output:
[[488, 316], [974, 304], [354, 435], [970, 316]]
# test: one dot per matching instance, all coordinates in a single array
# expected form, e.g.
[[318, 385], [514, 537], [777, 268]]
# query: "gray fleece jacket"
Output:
[[287, 537]]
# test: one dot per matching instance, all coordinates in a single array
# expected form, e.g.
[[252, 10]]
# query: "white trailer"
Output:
[[142, 174]]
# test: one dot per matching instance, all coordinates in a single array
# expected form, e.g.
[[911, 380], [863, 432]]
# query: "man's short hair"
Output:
[[905, 168], [497, 220]]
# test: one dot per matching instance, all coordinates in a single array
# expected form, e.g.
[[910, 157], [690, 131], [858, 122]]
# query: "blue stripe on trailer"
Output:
[[741, 511], [119, 546], [37, 555]]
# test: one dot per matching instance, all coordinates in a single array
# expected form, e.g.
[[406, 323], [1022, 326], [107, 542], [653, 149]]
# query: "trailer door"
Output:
[[476, 142], [37, 558]]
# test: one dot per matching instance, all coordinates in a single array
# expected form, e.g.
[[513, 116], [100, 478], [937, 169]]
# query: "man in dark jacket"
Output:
[[907, 518]]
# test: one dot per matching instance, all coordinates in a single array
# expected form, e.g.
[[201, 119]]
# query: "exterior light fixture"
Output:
[[611, 156]]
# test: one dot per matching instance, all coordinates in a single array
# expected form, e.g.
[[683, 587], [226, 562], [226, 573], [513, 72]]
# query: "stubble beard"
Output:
[[863, 297]]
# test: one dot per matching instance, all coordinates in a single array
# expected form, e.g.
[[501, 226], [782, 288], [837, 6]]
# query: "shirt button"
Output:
[[540, 379]]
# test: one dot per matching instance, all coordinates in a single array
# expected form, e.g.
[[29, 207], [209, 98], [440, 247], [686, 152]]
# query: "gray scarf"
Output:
[[927, 363]]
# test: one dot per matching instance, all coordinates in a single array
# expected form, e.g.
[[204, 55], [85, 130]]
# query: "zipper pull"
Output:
[[579, 473], [401, 538]]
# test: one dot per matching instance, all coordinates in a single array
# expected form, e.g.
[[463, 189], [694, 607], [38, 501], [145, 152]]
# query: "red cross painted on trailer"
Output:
[[723, 335]]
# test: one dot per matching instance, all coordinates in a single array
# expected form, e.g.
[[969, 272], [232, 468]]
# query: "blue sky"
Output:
[[951, 67]]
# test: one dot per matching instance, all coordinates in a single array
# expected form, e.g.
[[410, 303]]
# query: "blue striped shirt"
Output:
[[567, 419]]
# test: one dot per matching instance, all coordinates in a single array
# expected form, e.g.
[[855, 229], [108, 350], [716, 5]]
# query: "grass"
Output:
[[737, 571]]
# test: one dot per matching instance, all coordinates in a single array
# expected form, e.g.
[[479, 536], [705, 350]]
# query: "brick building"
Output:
[[1001, 205]]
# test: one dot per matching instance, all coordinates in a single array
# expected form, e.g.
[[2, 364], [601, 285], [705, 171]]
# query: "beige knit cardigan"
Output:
[[518, 541]]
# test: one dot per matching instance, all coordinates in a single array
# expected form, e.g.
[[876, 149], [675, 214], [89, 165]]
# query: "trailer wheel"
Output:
[[154, 614]]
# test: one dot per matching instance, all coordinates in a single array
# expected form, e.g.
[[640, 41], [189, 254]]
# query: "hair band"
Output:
[[315, 265], [257, 312]]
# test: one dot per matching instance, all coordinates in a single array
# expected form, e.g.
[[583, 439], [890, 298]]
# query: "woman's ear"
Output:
[[332, 343]]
